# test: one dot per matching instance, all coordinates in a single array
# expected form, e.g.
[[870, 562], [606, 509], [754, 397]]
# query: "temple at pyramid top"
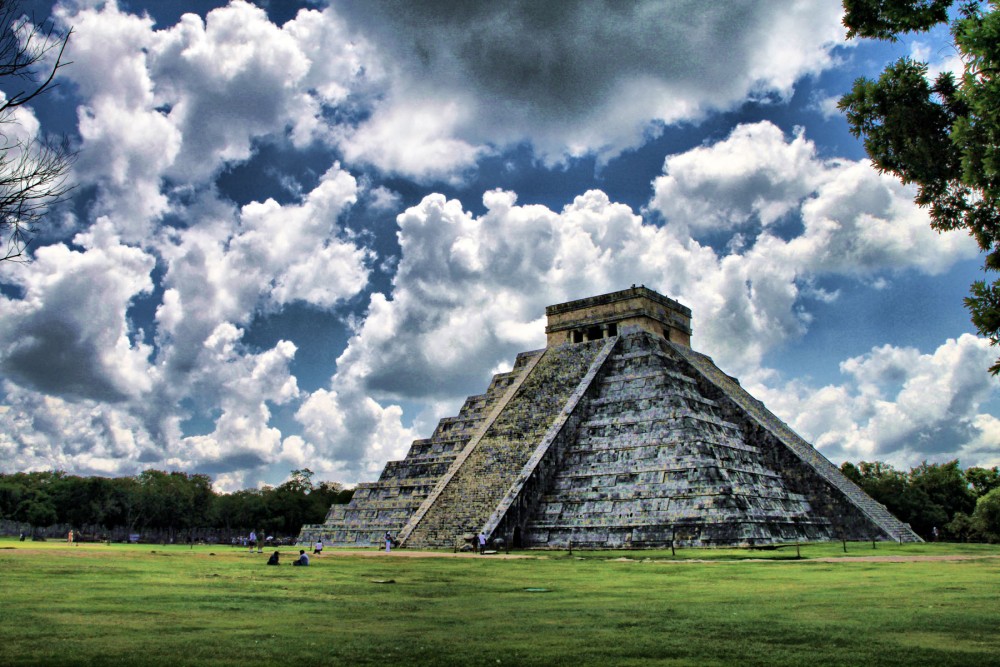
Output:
[[605, 315], [616, 435]]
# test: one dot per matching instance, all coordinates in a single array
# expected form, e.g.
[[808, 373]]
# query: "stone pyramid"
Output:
[[616, 435]]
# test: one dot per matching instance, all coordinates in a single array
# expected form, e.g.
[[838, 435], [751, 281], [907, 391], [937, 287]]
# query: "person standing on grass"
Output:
[[482, 542], [252, 541], [388, 541], [318, 548]]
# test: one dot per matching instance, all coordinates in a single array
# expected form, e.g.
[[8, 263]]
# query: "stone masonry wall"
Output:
[[654, 461], [852, 513]]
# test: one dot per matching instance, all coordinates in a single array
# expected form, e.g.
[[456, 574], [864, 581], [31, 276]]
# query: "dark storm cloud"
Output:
[[234, 461], [560, 58], [50, 356]]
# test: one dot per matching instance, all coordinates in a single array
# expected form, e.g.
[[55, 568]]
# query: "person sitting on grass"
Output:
[[303, 558], [273, 560]]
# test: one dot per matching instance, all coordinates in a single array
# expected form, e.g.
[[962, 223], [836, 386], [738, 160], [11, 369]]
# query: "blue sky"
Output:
[[303, 232]]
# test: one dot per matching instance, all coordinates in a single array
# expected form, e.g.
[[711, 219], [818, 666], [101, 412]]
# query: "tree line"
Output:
[[173, 506], [939, 500], [961, 505]]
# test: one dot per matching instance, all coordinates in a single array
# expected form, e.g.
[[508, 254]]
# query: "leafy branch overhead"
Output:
[[32, 170], [943, 135]]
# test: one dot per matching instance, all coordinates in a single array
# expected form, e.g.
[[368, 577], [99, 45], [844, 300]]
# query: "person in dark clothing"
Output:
[[273, 560]]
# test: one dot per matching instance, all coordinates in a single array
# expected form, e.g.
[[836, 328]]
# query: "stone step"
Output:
[[478, 483]]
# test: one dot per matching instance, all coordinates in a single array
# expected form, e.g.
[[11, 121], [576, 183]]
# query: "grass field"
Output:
[[172, 605]]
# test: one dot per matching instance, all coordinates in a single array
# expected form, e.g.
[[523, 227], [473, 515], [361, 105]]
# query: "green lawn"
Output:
[[156, 605]]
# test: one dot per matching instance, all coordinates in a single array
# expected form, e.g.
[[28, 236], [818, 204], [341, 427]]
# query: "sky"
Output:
[[303, 232]]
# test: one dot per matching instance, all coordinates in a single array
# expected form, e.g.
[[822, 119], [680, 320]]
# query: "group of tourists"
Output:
[[303, 558], [478, 545], [251, 542]]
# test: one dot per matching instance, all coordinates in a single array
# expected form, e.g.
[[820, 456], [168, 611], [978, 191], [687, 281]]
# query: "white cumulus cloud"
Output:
[[900, 405]]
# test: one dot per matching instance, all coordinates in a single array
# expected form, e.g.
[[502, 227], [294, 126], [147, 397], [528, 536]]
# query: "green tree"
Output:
[[198, 498], [175, 501], [35, 504], [10, 497], [986, 518], [851, 472], [300, 480], [962, 529], [982, 480], [944, 492], [103, 505], [280, 510], [157, 505], [241, 511], [943, 135], [296, 502], [884, 19], [890, 487], [124, 505], [72, 496], [39, 511]]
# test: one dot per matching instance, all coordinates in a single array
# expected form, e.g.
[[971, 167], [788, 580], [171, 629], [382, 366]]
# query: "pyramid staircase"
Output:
[[481, 478]]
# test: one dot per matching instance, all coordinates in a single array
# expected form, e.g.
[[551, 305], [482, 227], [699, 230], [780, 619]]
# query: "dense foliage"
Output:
[[961, 505], [174, 505], [942, 135]]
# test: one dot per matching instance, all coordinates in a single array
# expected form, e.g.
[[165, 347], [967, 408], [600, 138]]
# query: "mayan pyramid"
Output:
[[616, 435]]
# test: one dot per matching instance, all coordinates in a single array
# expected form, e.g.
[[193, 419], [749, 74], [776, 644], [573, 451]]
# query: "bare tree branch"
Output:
[[32, 170]]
